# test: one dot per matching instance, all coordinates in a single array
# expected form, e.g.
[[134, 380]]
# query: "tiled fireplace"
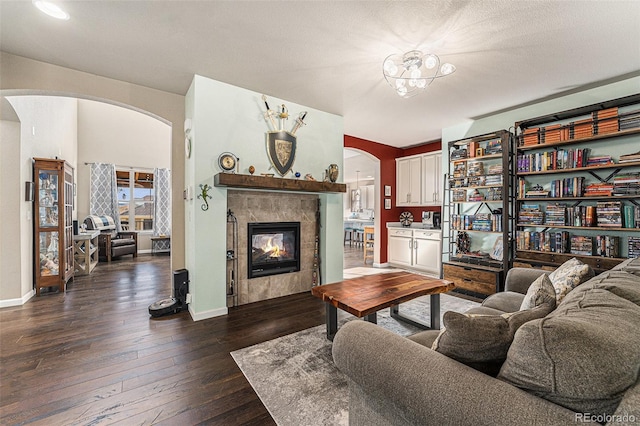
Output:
[[258, 207]]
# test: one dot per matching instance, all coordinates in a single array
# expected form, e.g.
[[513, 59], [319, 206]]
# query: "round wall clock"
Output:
[[406, 218], [227, 162]]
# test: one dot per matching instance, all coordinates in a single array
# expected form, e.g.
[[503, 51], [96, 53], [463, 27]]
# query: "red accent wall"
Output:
[[387, 156]]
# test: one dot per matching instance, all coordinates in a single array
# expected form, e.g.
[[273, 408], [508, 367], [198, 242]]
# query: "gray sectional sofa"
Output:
[[580, 363]]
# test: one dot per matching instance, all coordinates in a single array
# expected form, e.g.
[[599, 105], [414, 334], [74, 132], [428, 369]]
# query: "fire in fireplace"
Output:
[[274, 248]]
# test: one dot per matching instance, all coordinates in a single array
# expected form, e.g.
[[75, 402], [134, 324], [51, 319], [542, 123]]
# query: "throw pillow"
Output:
[[541, 291], [568, 276], [482, 341]]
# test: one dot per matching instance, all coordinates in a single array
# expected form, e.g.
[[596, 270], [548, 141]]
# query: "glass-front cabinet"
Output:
[[53, 225]]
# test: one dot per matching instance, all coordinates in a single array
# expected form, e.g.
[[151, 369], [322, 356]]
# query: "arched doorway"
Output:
[[361, 173]]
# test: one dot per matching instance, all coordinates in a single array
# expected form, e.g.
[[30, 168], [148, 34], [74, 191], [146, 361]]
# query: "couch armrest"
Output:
[[519, 279], [129, 234], [406, 383]]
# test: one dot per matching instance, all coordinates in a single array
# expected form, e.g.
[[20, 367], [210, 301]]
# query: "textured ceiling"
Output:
[[328, 54]]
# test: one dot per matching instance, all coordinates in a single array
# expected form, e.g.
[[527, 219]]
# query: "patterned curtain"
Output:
[[162, 210], [104, 192]]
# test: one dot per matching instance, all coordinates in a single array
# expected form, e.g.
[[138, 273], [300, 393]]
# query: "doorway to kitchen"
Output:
[[361, 173]]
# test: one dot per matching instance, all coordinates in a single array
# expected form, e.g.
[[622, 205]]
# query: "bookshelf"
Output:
[[578, 185], [480, 211]]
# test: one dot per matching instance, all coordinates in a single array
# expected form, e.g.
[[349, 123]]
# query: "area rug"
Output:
[[296, 379]]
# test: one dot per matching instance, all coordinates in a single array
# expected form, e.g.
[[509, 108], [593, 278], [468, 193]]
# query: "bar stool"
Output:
[[348, 236], [358, 236], [368, 241]]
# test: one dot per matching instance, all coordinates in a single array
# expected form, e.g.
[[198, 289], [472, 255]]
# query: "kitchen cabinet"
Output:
[[400, 247], [408, 181], [426, 251], [432, 179], [417, 249], [419, 180]]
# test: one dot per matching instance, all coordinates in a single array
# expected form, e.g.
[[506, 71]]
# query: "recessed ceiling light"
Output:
[[51, 9]]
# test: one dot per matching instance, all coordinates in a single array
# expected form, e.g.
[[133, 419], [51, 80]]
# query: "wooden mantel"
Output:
[[233, 180]]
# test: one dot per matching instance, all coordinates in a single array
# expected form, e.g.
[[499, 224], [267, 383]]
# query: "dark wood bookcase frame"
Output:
[[602, 173]]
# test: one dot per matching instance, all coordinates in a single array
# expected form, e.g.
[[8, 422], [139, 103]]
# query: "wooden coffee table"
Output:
[[365, 296]]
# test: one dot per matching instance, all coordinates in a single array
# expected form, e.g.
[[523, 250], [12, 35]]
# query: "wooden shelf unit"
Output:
[[480, 276], [582, 115]]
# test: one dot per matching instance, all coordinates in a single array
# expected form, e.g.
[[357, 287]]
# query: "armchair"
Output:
[[112, 243]]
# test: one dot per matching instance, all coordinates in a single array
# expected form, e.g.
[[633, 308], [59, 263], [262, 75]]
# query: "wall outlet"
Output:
[[188, 298]]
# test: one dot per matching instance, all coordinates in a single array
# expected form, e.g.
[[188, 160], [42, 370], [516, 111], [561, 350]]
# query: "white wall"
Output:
[[12, 196], [121, 136], [48, 129], [229, 118]]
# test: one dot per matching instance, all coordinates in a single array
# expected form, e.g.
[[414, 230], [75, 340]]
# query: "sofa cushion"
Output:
[[568, 276], [541, 291], [585, 354], [483, 310], [505, 301], [482, 341]]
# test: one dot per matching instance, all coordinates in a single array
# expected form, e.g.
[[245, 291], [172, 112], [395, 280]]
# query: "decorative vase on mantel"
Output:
[[333, 172]]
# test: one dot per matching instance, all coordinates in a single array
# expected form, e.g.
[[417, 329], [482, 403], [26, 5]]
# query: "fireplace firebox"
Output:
[[274, 248]]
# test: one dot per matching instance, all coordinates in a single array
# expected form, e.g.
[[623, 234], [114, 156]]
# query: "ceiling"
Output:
[[328, 54]]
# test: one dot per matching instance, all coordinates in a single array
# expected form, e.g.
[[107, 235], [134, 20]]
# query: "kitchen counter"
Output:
[[414, 225]]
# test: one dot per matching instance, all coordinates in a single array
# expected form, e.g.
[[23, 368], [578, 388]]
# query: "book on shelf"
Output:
[[459, 169], [633, 247], [629, 214], [530, 214], [530, 136], [605, 121], [609, 214], [475, 168], [599, 161], [629, 120], [630, 157], [582, 129], [458, 154], [598, 189], [494, 194], [492, 147], [555, 215], [582, 245], [607, 246]]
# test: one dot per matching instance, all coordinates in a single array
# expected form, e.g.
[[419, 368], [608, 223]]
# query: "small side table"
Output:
[[156, 240], [85, 250]]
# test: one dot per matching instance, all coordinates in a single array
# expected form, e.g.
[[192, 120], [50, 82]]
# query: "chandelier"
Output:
[[413, 71]]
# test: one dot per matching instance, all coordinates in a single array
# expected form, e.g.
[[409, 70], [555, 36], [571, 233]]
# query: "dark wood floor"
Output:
[[94, 356]]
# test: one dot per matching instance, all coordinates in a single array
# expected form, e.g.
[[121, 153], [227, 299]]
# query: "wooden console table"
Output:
[[156, 240], [85, 252]]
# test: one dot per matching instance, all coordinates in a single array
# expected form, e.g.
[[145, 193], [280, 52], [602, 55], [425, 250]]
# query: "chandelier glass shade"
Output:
[[410, 73]]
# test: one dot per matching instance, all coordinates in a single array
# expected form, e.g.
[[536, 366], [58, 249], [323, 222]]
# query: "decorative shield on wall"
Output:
[[281, 147]]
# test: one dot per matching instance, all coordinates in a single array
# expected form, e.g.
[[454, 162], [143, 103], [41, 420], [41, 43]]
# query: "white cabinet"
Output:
[[432, 181], [408, 181], [370, 197], [400, 247], [426, 251], [415, 249], [419, 180]]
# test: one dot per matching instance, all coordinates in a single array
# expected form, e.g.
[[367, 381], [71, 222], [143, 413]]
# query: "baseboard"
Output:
[[380, 265], [208, 314], [17, 302]]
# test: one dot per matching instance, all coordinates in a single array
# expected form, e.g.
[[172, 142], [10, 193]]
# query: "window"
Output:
[[135, 199]]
